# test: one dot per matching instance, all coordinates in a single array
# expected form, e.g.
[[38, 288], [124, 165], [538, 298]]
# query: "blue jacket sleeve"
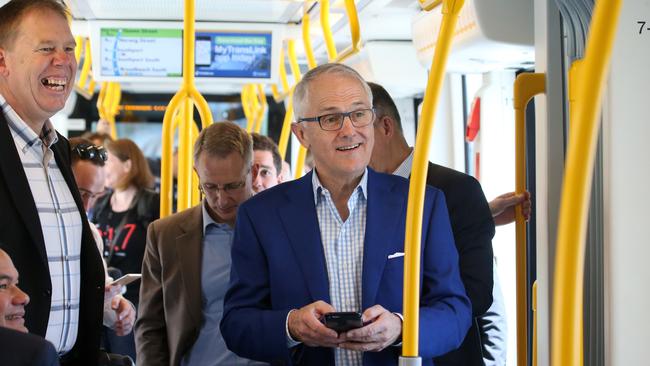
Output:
[[249, 326], [445, 311]]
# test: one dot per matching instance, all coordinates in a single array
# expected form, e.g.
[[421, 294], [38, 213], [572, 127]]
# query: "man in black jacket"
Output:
[[469, 213], [44, 224]]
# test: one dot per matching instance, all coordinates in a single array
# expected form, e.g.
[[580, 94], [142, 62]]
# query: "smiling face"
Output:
[[37, 71], [341, 154], [12, 299]]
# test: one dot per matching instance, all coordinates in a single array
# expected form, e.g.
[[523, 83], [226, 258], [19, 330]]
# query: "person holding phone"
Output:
[[333, 241]]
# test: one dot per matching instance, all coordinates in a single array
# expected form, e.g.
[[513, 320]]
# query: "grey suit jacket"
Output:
[[169, 315]]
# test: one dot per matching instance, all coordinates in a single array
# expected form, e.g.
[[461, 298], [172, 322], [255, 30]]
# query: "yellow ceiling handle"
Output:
[[186, 97], [327, 30], [428, 5], [566, 317], [417, 184], [526, 86], [306, 39]]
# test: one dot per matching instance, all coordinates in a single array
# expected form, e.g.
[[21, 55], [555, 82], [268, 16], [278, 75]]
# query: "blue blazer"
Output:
[[278, 264], [25, 349]]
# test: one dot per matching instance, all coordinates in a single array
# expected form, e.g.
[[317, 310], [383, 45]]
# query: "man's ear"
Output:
[[3, 62], [299, 130], [387, 126]]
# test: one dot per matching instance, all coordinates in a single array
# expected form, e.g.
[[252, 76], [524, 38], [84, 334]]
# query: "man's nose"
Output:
[[20, 297], [348, 128]]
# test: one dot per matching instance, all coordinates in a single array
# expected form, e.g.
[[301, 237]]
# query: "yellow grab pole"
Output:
[[79, 44], [300, 162], [245, 105], [353, 21], [283, 142], [429, 4], [327, 29], [166, 178], [450, 10], [185, 157], [566, 326], [275, 92], [184, 96], [526, 86], [263, 107], [113, 107], [293, 61], [100, 100], [196, 193], [91, 87], [85, 68], [306, 40], [534, 308], [283, 73]]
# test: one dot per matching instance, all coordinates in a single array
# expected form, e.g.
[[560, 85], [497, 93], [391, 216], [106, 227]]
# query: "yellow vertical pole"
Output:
[[327, 29], [410, 336], [262, 109], [526, 86], [283, 142], [566, 317]]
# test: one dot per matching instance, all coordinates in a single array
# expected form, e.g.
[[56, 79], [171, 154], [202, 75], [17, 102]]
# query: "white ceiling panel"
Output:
[[265, 11]]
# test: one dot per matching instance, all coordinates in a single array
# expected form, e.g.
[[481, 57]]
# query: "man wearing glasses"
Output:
[[333, 241], [187, 259], [88, 168]]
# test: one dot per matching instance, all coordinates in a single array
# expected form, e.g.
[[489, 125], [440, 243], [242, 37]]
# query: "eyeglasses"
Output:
[[334, 121], [91, 152], [89, 195], [226, 188]]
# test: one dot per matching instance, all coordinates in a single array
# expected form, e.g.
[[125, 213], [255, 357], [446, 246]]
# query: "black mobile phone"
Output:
[[343, 321]]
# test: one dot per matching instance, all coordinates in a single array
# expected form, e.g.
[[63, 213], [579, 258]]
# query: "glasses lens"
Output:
[[331, 122], [361, 117]]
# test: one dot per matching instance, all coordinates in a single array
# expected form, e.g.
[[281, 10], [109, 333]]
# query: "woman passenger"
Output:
[[122, 217]]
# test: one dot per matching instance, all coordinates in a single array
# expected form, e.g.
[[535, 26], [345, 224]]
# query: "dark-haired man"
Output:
[[44, 224], [268, 161]]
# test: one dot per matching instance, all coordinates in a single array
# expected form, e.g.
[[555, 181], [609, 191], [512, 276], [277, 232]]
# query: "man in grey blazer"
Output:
[[186, 266]]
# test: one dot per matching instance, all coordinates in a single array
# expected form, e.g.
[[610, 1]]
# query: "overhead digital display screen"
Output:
[[141, 52], [233, 54]]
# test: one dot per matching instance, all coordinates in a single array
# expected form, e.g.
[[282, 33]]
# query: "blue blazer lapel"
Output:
[[385, 209], [300, 222]]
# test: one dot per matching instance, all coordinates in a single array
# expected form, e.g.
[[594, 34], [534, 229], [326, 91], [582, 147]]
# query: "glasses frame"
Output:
[[343, 115]]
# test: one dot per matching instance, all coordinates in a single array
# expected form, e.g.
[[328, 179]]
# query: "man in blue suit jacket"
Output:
[[334, 241]]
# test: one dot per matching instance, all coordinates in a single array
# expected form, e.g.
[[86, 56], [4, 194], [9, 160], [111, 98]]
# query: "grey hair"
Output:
[[301, 92]]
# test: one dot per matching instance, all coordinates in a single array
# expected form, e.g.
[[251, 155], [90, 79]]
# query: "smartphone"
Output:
[[343, 321], [126, 279]]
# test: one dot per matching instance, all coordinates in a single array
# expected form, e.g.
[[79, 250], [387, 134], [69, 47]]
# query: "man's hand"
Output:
[[384, 329], [503, 207], [125, 315], [305, 325]]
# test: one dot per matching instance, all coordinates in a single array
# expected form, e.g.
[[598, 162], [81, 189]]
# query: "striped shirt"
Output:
[[404, 169], [343, 247], [60, 221]]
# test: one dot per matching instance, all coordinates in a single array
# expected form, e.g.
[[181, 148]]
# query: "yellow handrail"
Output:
[[283, 142], [429, 4], [306, 40], [85, 68], [187, 96], [262, 108], [100, 100], [450, 10], [353, 22], [566, 326], [246, 106], [327, 29], [526, 86], [79, 44]]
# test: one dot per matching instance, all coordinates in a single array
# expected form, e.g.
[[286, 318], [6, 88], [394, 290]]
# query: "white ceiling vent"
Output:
[[490, 35]]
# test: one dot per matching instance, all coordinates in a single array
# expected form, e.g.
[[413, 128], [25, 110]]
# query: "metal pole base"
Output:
[[410, 361]]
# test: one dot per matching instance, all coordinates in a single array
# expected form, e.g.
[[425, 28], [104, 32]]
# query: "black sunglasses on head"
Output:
[[91, 152]]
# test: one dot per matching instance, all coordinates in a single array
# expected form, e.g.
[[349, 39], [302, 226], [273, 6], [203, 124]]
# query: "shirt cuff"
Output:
[[290, 341], [398, 342]]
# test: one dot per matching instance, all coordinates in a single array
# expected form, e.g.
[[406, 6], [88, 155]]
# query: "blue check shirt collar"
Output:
[[318, 187]]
